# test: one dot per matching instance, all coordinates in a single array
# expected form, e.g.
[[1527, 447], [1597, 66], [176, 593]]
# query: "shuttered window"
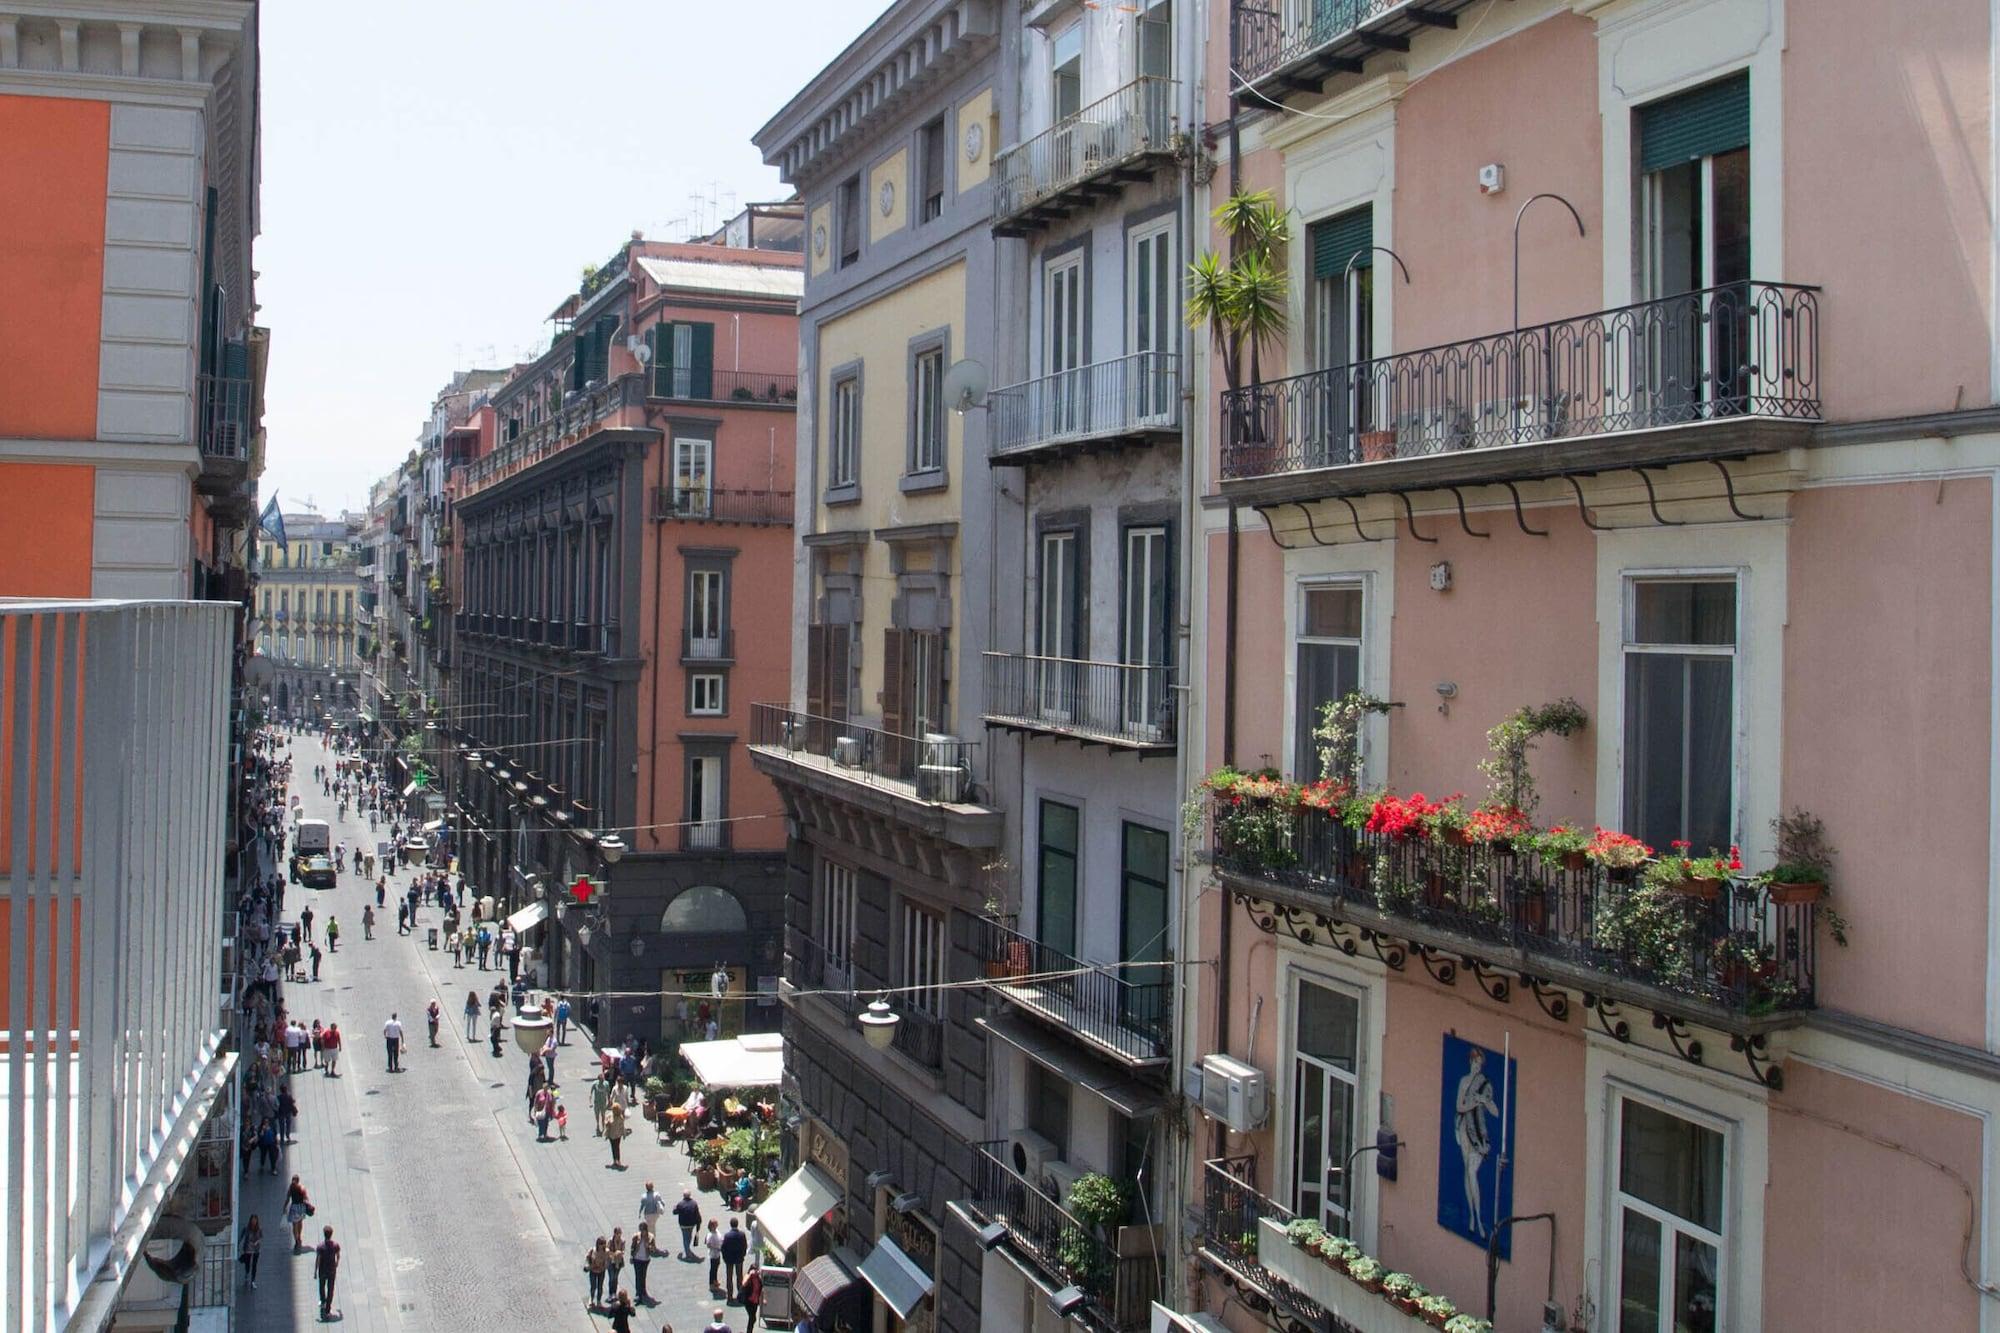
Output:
[[1339, 239], [1701, 122], [683, 360]]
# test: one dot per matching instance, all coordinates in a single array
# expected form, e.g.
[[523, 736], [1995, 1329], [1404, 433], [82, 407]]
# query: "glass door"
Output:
[[1152, 336], [1062, 345], [1057, 627], [1326, 1083], [1146, 631], [693, 496]]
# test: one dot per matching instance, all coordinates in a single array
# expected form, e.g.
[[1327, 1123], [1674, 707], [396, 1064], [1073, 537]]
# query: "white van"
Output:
[[314, 838]]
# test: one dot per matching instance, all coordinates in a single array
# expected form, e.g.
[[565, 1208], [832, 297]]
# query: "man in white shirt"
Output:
[[652, 1208], [392, 1036]]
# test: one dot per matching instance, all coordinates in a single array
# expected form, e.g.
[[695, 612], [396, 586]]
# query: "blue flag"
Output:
[[273, 523]]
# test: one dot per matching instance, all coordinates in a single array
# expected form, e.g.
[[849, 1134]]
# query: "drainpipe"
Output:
[[1551, 1313]]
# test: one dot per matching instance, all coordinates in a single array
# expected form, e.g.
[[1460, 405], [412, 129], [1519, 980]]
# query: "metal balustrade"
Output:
[[1231, 1210], [919, 1035], [115, 766], [1116, 703], [1749, 349], [813, 967], [938, 769], [1737, 951], [1110, 133], [715, 504], [1121, 1289], [1125, 397], [222, 427], [770, 387], [1129, 1014]]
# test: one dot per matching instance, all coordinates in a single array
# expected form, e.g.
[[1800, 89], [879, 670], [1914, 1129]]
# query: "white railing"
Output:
[[1135, 120], [113, 802], [1127, 395]]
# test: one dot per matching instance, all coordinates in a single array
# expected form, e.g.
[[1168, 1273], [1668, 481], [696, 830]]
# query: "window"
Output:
[[844, 434], [693, 468], [705, 828], [1055, 877], [1326, 1077], [1048, 1107], [1058, 627], [1062, 344], [705, 695], [683, 360], [705, 597], [1670, 1223], [836, 921], [1142, 927], [1156, 39], [1328, 664], [848, 223], [1152, 333], [1343, 325], [927, 411], [931, 158], [1680, 711], [347, 606], [1147, 628], [1066, 73], [1133, 1155], [922, 959], [926, 683]]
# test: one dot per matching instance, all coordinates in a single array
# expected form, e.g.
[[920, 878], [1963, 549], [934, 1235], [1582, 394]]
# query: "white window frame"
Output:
[[839, 889], [1669, 1223], [1143, 18], [922, 956], [1301, 588], [705, 617], [1628, 628], [1370, 985], [1150, 393], [706, 694], [694, 476], [1372, 564], [927, 429], [844, 433]]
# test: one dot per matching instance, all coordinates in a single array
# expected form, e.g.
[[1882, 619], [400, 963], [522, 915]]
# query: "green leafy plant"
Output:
[[1243, 299], [1509, 781], [1253, 815], [1555, 844], [1402, 1284], [1803, 854], [1099, 1202], [1338, 735], [1365, 1270], [1465, 1323], [1304, 1232], [1438, 1309], [1651, 926]]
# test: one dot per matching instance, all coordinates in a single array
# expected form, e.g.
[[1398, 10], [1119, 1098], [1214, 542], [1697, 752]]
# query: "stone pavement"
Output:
[[450, 1215]]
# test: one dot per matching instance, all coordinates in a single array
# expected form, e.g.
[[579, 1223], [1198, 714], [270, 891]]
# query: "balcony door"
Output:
[[1326, 1089], [1057, 627], [1342, 407], [705, 613], [694, 493], [1062, 343], [1055, 877], [1146, 631], [1142, 927], [1152, 332]]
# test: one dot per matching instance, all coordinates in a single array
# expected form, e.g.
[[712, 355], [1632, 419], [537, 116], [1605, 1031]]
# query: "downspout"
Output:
[[650, 524]]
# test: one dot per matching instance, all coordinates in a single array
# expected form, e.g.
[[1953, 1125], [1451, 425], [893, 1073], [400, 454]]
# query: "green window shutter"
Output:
[[701, 362], [663, 360], [600, 349], [1698, 123], [1339, 239], [579, 347]]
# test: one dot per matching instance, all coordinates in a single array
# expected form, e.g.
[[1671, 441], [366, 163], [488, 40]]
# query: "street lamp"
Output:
[[878, 1024], [611, 847]]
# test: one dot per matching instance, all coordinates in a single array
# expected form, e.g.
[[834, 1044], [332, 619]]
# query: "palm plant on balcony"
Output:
[[1243, 300]]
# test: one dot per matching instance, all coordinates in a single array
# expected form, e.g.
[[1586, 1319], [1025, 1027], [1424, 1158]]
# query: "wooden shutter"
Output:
[[895, 707], [701, 362], [839, 639], [816, 637], [1704, 121], [1339, 239], [662, 336]]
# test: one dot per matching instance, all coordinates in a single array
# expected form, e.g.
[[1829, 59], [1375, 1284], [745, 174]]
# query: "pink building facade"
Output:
[[1705, 445]]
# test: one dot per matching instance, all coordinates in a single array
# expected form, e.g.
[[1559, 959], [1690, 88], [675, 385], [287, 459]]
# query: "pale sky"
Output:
[[438, 172]]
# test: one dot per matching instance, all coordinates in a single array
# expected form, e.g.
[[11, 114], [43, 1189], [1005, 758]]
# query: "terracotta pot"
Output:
[[1455, 837], [1574, 861], [1357, 869], [704, 1177], [1534, 912], [1435, 889], [1378, 446], [1705, 889], [1793, 895], [995, 969]]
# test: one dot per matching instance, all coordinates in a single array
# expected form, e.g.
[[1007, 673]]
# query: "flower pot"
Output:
[[1454, 837], [1534, 909], [1436, 888], [1575, 861], [995, 969], [704, 1177], [1378, 446], [1357, 870], [1794, 895], [1707, 890]]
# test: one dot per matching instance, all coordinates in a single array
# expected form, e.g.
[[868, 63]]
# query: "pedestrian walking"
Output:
[[288, 1111], [331, 1041], [431, 1015], [326, 1266], [753, 1296], [717, 1324], [298, 1207], [713, 1242], [306, 921], [315, 958], [381, 891], [562, 1021], [250, 1247], [621, 1313], [614, 1260], [600, 1101], [687, 1213], [651, 1209], [642, 1258], [333, 934], [614, 1129], [735, 1245], [319, 1045], [402, 918], [472, 1015], [267, 1147], [562, 1116], [392, 1038], [485, 945], [542, 1107], [593, 1264], [493, 1031], [367, 922]]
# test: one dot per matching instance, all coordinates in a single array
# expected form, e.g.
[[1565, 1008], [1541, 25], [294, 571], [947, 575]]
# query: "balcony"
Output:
[[919, 1036], [1736, 961], [1232, 1216], [749, 388], [1129, 1019], [924, 782], [1285, 47], [1043, 1235], [718, 648], [1129, 400], [709, 504], [223, 424], [1705, 375], [810, 966], [1085, 158], [1120, 705], [705, 837]]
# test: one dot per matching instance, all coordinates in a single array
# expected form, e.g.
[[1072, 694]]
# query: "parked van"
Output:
[[314, 838]]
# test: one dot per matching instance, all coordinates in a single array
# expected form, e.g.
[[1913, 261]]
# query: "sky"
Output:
[[437, 173]]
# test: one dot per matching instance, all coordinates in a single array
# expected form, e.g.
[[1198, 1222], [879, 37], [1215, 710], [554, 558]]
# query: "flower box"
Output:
[[1316, 1280]]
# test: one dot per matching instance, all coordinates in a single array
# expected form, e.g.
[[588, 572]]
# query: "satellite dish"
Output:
[[640, 351], [965, 386]]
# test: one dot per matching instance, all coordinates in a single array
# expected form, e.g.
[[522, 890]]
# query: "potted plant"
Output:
[[1244, 298], [1465, 1323], [1509, 781], [1650, 927], [656, 1098], [1437, 1311], [1804, 859], [707, 1154], [1403, 1291], [1620, 854], [1741, 959], [1399, 817], [1446, 821], [1378, 446], [1366, 1273], [1564, 846], [1253, 816]]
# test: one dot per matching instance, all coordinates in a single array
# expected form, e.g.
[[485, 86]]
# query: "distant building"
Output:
[[306, 614]]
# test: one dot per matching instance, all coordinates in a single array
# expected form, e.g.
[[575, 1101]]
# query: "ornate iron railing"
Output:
[[811, 966], [1117, 702], [726, 386], [1123, 396], [1749, 349], [940, 768], [1121, 1289], [1131, 1016], [714, 504], [1137, 119], [223, 407], [1268, 39], [1738, 950], [919, 1035]]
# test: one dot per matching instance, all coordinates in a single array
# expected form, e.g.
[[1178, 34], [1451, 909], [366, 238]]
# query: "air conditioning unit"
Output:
[[1234, 1093], [1029, 1154], [847, 751], [795, 734], [941, 751], [944, 785], [1057, 1179]]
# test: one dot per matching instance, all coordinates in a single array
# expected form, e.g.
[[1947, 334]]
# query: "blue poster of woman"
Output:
[[1475, 1147]]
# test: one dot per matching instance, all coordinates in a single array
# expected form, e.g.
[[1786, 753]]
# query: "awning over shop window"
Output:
[[796, 1207], [753, 1060], [825, 1286], [896, 1277], [528, 917]]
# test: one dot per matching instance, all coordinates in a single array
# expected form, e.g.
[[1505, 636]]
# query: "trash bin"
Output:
[[433, 936]]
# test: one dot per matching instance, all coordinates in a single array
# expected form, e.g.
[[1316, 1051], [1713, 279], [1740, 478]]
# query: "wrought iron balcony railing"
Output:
[[1749, 349], [1121, 1289], [812, 966], [223, 409], [715, 504], [939, 769], [919, 1035], [715, 647], [1130, 1015], [1121, 399], [712, 836], [1115, 703], [1736, 951], [779, 388], [1110, 133], [1231, 1210], [1284, 46]]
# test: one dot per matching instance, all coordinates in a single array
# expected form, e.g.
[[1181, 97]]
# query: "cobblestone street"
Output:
[[450, 1214]]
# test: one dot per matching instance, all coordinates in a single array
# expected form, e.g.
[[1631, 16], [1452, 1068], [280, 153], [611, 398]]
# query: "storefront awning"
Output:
[[796, 1207], [896, 1277], [825, 1287], [410, 790], [433, 826], [1127, 1096], [528, 917], [753, 1060]]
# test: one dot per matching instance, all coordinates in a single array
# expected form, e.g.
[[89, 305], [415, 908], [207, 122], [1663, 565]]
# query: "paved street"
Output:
[[451, 1215]]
